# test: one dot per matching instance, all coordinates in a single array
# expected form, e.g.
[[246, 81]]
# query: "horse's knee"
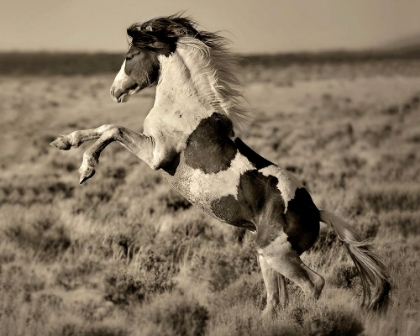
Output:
[[114, 133]]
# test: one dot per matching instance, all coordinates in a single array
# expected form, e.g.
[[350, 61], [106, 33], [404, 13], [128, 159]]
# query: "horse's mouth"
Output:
[[125, 95]]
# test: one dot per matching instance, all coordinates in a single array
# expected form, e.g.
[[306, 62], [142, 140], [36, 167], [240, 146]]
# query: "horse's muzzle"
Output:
[[119, 95]]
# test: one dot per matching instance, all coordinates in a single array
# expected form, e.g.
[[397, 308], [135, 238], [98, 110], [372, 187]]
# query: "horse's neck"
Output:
[[182, 87], [182, 107]]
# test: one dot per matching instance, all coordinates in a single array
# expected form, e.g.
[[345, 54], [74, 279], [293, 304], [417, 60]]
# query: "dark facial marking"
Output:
[[209, 147], [142, 66], [257, 160]]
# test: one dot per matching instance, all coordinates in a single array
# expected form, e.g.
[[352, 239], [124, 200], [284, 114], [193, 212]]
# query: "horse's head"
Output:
[[149, 40], [139, 70]]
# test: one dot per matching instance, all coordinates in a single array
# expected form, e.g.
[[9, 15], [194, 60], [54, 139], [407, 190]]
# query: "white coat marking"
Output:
[[208, 187], [287, 182]]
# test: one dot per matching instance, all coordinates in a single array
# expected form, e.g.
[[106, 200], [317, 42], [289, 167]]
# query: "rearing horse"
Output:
[[189, 137]]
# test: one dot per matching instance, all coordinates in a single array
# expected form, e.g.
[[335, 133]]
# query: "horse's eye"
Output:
[[128, 57]]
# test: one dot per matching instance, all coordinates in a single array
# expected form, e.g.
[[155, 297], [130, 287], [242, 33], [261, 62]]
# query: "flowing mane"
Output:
[[210, 53]]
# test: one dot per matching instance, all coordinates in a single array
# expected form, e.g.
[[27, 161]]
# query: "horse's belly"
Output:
[[239, 194], [214, 193]]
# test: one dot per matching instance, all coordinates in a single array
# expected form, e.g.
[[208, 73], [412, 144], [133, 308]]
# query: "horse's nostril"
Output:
[[113, 92]]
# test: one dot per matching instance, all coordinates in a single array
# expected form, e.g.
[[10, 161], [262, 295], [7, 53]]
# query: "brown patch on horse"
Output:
[[209, 147], [254, 191], [301, 221]]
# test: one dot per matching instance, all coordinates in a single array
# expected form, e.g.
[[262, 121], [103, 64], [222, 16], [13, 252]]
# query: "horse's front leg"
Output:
[[75, 139], [139, 144]]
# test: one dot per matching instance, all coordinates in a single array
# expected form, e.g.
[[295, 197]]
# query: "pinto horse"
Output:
[[189, 137]]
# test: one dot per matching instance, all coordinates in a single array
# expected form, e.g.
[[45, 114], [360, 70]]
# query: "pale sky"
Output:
[[255, 26]]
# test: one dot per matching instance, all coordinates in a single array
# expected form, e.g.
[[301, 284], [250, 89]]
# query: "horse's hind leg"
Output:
[[284, 297], [275, 286], [317, 280], [271, 286], [280, 256]]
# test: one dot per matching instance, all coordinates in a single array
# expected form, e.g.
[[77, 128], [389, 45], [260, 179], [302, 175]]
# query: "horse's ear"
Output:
[[179, 31]]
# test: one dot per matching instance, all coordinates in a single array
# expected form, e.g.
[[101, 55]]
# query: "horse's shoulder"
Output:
[[169, 136]]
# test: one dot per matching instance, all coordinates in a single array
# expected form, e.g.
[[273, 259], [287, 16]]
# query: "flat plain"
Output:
[[123, 254]]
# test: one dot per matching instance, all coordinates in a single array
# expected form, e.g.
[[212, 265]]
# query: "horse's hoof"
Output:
[[61, 142], [86, 174]]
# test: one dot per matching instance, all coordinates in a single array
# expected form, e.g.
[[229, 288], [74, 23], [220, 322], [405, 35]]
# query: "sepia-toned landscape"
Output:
[[124, 254]]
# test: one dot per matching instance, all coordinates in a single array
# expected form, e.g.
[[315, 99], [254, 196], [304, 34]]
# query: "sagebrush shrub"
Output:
[[331, 322], [174, 314]]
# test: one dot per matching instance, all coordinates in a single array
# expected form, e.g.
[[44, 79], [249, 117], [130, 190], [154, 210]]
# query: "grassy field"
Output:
[[124, 254]]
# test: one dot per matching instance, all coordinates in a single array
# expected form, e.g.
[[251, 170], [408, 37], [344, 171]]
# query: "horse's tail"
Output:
[[372, 271]]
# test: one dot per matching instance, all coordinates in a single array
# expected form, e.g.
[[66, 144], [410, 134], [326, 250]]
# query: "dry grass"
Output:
[[126, 255]]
